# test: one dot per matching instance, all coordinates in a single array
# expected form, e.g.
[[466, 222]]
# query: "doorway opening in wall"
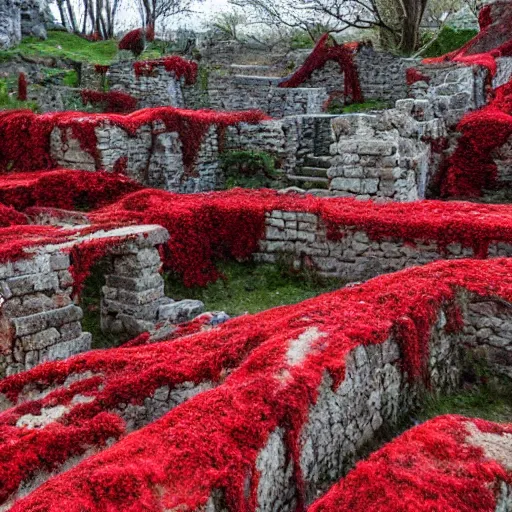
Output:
[[90, 302]]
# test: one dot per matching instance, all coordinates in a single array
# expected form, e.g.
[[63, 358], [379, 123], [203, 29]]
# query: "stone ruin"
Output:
[[267, 411], [21, 18]]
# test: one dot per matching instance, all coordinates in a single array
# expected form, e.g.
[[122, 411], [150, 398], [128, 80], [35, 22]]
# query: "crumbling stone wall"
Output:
[[43, 322], [381, 75], [302, 239], [386, 154], [290, 140], [502, 157], [240, 92], [375, 393], [153, 156], [160, 88], [453, 89]]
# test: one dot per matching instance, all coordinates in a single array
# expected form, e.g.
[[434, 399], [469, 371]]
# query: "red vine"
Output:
[[328, 49]]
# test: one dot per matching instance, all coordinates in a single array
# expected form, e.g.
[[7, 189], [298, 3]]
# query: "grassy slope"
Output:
[[65, 45], [70, 46]]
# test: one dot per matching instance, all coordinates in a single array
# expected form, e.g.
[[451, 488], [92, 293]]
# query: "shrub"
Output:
[[447, 41], [249, 169]]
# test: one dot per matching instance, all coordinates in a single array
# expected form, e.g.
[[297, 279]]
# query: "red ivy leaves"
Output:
[[22, 87], [25, 136], [325, 50], [175, 64], [111, 101]]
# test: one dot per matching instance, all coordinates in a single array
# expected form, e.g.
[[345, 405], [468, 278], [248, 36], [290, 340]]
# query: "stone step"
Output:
[[308, 182], [318, 161], [319, 172]]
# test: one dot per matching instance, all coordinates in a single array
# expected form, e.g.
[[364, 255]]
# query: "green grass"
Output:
[[70, 46], [250, 288], [490, 402], [65, 45], [337, 107]]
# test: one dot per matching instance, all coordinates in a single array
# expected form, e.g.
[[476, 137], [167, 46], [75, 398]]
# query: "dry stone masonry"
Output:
[[39, 319], [301, 239]]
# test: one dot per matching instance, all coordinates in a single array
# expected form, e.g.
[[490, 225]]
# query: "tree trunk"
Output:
[[413, 14], [72, 18], [63, 19]]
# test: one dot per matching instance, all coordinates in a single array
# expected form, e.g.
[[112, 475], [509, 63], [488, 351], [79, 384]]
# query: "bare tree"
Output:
[[151, 11], [401, 18], [86, 16]]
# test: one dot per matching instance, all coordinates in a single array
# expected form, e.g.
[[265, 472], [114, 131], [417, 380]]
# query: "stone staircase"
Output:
[[312, 176]]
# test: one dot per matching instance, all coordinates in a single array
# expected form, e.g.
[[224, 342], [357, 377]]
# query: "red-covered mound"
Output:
[[436, 467], [10, 217], [328, 49], [135, 40], [207, 227], [179, 66], [25, 136], [111, 101], [472, 168], [213, 440], [494, 39], [63, 188]]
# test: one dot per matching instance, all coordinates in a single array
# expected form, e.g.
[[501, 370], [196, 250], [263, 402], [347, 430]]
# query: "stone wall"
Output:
[[502, 157], [10, 23], [241, 92], [290, 140], [41, 322], [386, 154], [301, 240], [33, 18], [153, 156], [161, 88], [381, 75], [453, 89]]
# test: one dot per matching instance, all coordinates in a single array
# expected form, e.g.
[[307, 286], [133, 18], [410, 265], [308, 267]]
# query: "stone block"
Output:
[[181, 311]]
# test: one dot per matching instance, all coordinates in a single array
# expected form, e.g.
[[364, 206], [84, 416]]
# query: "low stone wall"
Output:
[[240, 92], [317, 383], [39, 318], [160, 89], [403, 469], [387, 154], [153, 156], [301, 240]]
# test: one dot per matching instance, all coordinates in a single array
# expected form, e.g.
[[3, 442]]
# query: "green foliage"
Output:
[[249, 288], [9, 102], [301, 40], [249, 169], [71, 78], [447, 41], [337, 106], [65, 45]]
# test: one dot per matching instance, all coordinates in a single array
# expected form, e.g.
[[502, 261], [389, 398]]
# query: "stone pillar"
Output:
[[38, 319], [134, 290]]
